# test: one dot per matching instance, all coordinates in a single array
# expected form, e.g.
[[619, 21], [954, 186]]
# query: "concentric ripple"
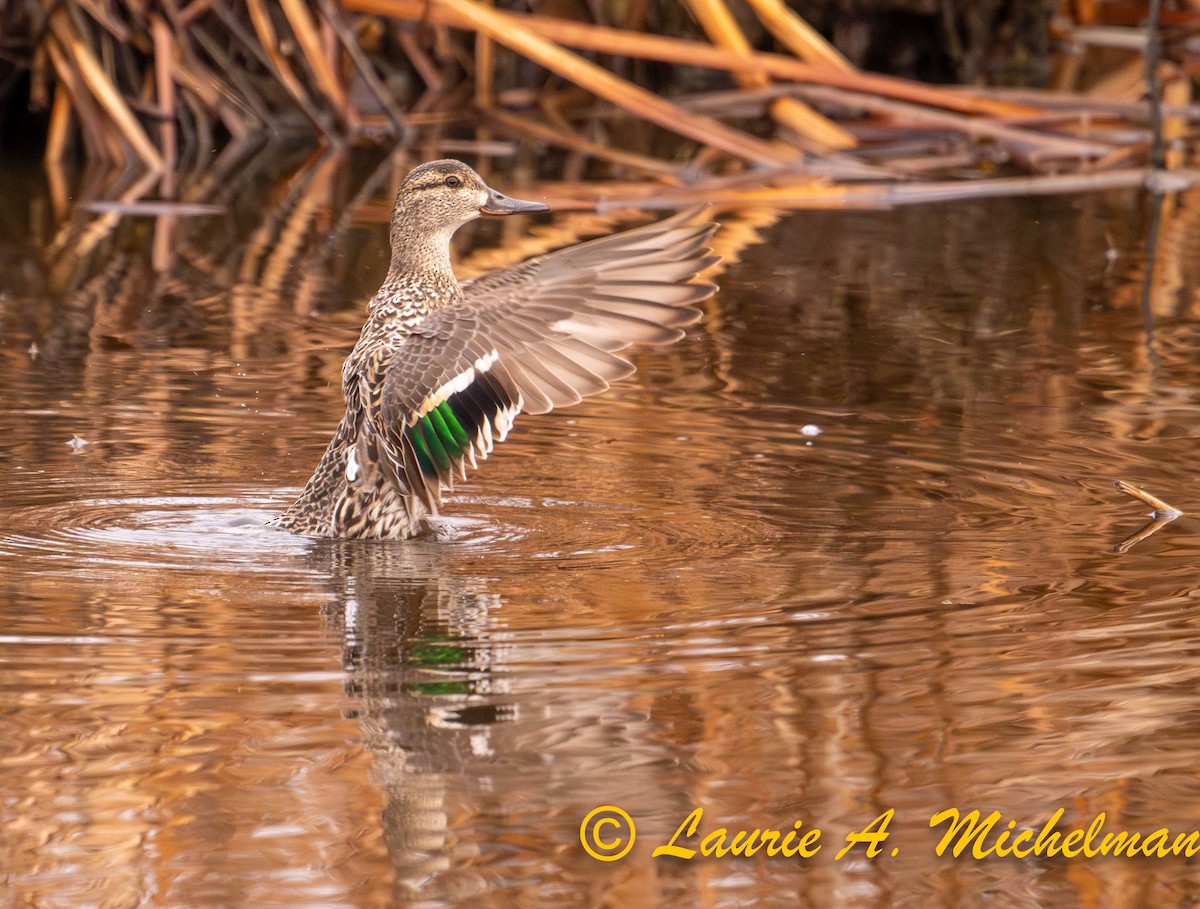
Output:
[[214, 532], [230, 533]]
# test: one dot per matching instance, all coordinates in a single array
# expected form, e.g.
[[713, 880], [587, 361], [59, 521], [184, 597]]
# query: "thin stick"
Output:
[[1057, 100], [164, 54], [1144, 533], [196, 8], [1161, 508], [105, 19], [211, 89], [1158, 156], [485, 66], [162, 247], [60, 127], [155, 208]]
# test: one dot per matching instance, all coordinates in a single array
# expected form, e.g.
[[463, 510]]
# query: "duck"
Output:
[[443, 367]]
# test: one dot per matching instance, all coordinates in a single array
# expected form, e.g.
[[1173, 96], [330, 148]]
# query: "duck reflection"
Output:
[[490, 743], [430, 687]]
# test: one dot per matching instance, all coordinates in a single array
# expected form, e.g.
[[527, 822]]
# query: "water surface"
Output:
[[673, 596]]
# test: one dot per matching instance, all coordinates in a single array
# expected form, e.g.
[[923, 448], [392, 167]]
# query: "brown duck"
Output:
[[442, 368]]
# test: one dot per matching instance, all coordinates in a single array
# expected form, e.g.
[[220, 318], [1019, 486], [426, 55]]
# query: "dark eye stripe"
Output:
[[438, 185]]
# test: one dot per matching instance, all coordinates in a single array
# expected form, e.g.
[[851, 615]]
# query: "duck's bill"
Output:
[[500, 204]]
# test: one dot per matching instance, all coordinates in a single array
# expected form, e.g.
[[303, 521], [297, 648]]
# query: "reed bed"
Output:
[[162, 86]]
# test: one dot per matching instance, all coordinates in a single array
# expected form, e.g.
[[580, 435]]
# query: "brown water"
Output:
[[667, 598]]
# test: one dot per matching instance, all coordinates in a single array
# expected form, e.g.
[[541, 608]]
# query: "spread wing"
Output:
[[539, 335]]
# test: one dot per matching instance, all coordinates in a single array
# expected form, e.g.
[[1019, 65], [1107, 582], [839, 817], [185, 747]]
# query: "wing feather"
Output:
[[538, 335]]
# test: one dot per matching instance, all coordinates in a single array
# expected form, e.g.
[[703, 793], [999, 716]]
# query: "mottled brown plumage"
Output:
[[441, 369]]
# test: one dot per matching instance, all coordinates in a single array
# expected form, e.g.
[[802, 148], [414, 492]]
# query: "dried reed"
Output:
[[157, 86]]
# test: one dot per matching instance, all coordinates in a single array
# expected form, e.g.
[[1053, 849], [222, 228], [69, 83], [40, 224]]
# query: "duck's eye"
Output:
[[453, 180]]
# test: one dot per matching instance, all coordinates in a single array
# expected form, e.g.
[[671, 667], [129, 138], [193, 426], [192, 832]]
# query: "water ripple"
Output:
[[213, 532]]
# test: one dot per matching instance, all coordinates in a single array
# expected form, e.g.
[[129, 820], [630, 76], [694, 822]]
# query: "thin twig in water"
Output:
[[1161, 508]]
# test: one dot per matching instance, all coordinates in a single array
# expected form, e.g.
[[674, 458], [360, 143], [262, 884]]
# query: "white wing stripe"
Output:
[[457, 384]]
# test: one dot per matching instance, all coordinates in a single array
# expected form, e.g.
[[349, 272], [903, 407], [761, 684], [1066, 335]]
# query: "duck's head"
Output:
[[442, 196]]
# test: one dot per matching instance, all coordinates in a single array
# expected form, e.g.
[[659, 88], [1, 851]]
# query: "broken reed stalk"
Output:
[[305, 30], [626, 43], [569, 140], [265, 30], [716, 20], [1024, 142], [60, 126], [507, 30], [809, 193], [1153, 53], [100, 141], [363, 65], [797, 35], [164, 88], [92, 76], [1160, 507], [485, 67]]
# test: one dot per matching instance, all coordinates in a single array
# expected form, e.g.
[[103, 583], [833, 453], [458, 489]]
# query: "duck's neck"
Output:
[[420, 255]]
